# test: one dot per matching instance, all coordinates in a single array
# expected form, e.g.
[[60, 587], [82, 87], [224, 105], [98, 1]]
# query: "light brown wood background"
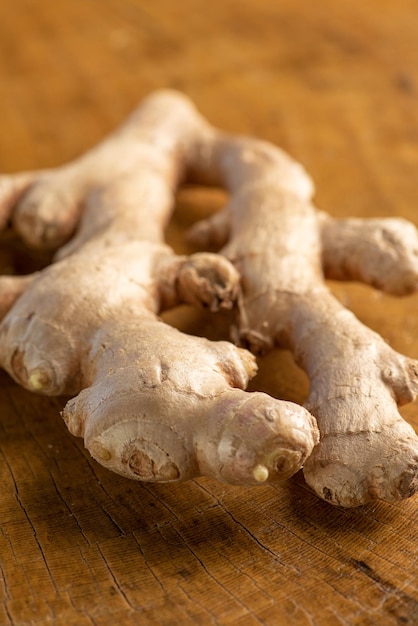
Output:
[[336, 84]]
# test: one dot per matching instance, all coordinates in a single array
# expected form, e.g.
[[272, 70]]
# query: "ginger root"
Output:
[[282, 247], [88, 324], [150, 402]]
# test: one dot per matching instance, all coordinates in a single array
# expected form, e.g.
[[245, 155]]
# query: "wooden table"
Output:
[[336, 84]]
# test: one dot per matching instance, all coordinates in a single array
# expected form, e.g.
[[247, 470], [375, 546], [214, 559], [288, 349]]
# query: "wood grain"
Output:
[[336, 84]]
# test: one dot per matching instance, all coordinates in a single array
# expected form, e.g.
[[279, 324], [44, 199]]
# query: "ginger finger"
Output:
[[151, 402], [204, 281], [276, 235], [12, 188], [379, 252], [48, 214]]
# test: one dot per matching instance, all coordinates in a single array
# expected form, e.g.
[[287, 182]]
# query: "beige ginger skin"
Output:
[[150, 402], [282, 247]]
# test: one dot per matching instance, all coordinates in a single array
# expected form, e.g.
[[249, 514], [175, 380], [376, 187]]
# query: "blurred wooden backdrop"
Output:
[[336, 84]]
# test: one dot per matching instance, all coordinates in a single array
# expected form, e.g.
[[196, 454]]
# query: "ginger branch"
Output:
[[150, 402], [283, 248]]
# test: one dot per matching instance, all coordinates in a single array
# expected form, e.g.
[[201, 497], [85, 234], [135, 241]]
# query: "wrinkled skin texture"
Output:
[[150, 402], [282, 248]]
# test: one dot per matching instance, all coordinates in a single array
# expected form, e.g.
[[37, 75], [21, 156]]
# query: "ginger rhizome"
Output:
[[166, 404], [283, 247], [150, 402]]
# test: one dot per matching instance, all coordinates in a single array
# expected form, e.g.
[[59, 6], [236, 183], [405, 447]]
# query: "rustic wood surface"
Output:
[[335, 83]]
